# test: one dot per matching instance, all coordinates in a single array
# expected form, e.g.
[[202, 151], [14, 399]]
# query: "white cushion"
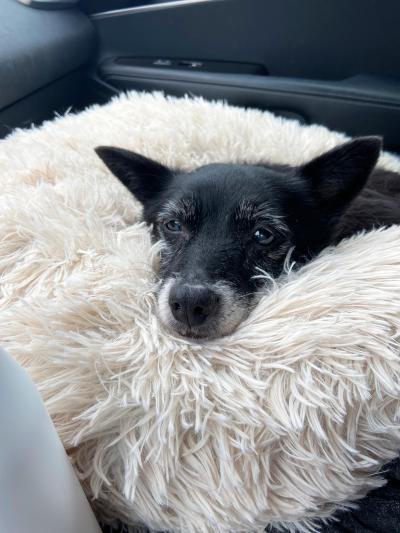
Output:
[[285, 420]]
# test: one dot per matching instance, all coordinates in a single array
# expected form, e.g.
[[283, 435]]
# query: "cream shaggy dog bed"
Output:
[[285, 420]]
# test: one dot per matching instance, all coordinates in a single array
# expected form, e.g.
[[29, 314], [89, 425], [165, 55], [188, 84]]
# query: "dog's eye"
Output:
[[173, 226], [263, 236]]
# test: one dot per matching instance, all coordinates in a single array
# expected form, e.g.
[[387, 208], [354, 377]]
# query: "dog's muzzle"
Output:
[[193, 305], [201, 310]]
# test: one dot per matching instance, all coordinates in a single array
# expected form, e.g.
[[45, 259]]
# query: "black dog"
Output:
[[223, 224]]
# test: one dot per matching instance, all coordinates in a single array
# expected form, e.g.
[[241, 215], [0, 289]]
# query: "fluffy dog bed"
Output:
[[288, 419]]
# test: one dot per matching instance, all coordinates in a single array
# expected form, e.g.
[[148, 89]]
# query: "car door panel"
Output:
[[330, 62]]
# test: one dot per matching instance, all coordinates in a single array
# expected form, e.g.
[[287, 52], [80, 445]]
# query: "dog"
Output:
[[225, 228]]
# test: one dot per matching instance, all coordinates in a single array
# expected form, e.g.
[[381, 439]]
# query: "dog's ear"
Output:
[[143, 177], [338, 176]]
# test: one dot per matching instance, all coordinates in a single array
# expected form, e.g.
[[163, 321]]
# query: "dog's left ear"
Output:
[[142, 176], [339, 175]]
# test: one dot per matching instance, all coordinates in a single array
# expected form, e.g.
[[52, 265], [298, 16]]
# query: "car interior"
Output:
[[330, 63], [333, 63]]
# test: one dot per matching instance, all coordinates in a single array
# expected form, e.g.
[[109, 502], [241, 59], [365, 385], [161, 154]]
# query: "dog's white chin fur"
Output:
[[287, 419], [233, 311]]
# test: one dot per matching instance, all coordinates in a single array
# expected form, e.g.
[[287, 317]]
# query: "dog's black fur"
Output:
[[223, 224]]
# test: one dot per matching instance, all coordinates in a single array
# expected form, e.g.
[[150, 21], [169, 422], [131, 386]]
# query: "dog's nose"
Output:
[[193, 305]]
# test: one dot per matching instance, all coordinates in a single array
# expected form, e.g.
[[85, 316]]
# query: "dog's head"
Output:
[[223, 224]]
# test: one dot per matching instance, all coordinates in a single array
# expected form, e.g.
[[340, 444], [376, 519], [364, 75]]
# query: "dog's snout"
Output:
[[193, 305]]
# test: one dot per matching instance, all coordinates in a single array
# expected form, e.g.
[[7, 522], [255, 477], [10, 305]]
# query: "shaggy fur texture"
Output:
[[285, 420]]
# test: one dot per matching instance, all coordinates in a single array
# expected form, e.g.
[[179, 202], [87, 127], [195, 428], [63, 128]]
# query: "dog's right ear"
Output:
[[142, 176], [337, 176]]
